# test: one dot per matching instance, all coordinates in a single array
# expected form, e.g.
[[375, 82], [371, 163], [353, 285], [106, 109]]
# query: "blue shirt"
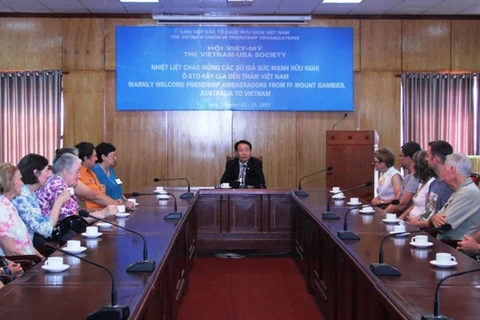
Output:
[[112, 188], [30, 212]]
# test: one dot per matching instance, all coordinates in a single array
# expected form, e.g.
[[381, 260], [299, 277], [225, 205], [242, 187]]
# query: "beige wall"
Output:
[[194, 144]]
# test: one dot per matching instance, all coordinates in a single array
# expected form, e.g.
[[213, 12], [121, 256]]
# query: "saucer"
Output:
[[76, 250], [50, 269], [156, 191], [331, 191], [91, 235], [103, 225], [390, 221], [137, 204], [163, 197], [366, 211], [354, 204], [400, 234], [444, 265], [421, 245], [122, 214]]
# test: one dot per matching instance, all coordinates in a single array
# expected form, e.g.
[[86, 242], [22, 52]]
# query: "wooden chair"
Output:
[[475, 178], [5, 279]]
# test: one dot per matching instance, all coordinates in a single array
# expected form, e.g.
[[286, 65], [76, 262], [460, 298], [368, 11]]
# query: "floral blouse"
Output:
[[49, 193], [13, 227], [29, 210]]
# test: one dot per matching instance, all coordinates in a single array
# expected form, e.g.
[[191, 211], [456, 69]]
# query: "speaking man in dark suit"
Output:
[[244, 170]]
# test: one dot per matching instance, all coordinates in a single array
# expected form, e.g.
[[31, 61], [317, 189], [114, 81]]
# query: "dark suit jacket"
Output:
[[253, 176]]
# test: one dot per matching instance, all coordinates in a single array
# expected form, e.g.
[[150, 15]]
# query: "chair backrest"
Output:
[[230, 158], [475, 178]]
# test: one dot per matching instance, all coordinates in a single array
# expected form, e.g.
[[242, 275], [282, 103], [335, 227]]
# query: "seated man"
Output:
[[244, 170], [462, 210]]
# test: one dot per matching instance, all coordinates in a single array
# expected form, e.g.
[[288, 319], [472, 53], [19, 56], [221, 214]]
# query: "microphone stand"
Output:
[[328, 215], [139, 266], [175, 215], [186, 195], [114, 311], [299, 192], [348, 235], [436, 303], [384, 269]]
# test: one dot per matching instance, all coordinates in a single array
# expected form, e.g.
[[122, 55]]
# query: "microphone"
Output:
[[186, 195], [175, 215], [114, 311], [348, 235], [384, 269], [344, 116], [436, 303], [139, 266], [301, 193], [330, 215]]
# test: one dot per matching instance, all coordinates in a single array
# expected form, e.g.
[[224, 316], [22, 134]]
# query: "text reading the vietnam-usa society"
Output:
[[229, 68]]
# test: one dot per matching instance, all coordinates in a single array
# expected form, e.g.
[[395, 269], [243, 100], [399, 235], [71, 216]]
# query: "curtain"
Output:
[[31, 114], [439, 106]]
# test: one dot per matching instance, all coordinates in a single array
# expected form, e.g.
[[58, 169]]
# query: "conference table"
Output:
[[336, 272]]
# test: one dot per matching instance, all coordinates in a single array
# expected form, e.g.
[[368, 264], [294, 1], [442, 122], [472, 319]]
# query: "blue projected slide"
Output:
[[234, 68]]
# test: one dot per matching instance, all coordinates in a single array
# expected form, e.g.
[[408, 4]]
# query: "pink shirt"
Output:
[[13, 227]]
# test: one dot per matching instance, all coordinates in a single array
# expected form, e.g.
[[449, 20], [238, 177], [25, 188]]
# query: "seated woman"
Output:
[[426, 176], [35, 173], [14, 237], [244, 170], [66, 170], [88, 155], [106, 175], [390, 182]]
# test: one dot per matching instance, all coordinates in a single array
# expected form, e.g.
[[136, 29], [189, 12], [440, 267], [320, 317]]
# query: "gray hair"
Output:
[[461, 162], [65, 161]]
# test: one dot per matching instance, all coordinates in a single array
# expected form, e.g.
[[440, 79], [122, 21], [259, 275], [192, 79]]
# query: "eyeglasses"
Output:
[[377, 161], [112, 155]]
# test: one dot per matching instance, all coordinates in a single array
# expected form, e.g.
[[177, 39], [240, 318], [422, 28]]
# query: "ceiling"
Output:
[[259, 7]]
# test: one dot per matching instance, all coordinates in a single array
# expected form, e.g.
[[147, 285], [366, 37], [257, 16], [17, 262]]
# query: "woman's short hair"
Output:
[[66, 161], [29, 164], [85, 149], [62, 151], [422, 171], [461, 162], [104, 149], [7, 171], [385, 155]]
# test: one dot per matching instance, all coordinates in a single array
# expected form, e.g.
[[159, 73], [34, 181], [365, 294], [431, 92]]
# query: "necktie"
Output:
[[242, 173]]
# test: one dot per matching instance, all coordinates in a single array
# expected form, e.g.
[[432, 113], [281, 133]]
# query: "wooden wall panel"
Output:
[[272, 135], [380, 106], [354, 23], [426, 45], [380, 45], [198, 142], [311, 130], [84, 96], [110, 24], [30, 43], [466, 45], [83, 50]]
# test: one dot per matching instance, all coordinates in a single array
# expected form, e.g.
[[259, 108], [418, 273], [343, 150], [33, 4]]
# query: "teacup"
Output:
[[73, 244], [391, 216], [159, 189], [121, 208], [443, 257], [225, 185], [54, 262], [420, 239], [71, 191], [92, 230], [336, 189], [399, 229], [354, 201]]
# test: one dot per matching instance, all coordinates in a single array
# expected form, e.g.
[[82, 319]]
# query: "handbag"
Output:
[[66, 226]]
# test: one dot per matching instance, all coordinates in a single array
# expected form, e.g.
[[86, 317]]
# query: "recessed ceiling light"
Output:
[[342, 1], [140, 1]]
